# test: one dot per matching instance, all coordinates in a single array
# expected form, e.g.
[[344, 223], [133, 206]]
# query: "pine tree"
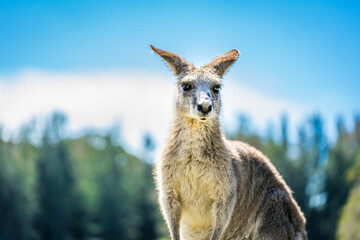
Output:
[[60, 213]]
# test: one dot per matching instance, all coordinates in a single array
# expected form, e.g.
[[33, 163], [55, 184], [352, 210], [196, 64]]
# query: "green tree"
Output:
[[15, 201], [349, 221], [148, 217], [115, 210], [336, 188], [60, 215]]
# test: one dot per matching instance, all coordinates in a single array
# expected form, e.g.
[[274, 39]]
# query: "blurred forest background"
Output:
[[91, 60], [90, 187]]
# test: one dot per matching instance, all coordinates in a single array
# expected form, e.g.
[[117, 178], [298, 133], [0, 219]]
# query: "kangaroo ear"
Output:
[[221, 63], [176, 64]]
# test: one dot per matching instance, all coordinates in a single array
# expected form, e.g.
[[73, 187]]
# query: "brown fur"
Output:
[[213, 188]]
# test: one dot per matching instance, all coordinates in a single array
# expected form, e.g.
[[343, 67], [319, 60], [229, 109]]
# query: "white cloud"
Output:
[[262, 109], [141, 101]]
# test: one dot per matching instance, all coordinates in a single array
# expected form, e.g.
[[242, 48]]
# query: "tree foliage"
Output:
[[90, 187], [316, 171]]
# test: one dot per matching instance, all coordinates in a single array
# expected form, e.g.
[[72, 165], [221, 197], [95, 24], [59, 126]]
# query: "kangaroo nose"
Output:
[[204, 108]]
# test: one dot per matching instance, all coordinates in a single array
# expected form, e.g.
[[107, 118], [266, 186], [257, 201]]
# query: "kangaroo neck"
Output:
[[192, 133]]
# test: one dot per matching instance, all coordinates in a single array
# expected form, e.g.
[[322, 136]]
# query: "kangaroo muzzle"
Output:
[[204, 108], [204, 104]]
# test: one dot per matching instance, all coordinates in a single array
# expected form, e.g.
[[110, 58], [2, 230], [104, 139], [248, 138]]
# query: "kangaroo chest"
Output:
[[198, 175], [196, 186], [194, 180], [199, 183]]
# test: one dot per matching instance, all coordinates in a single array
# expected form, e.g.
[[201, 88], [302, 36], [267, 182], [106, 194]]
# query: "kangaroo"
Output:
[[211, 187]]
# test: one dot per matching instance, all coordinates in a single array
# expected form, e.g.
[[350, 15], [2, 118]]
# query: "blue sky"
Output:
[[304, 52], [293, 48]]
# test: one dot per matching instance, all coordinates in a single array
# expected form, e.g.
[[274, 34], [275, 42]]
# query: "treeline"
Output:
[[84, 188], [91, 188], [320, 174]]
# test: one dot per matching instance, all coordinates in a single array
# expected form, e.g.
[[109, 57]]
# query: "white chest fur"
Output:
[[195, 183]]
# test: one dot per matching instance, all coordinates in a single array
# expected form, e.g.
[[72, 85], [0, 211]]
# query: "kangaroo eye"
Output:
[[216, 89], [186, 86]]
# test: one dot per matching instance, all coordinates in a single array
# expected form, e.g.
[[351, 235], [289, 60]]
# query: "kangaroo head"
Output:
[[198, 89]]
